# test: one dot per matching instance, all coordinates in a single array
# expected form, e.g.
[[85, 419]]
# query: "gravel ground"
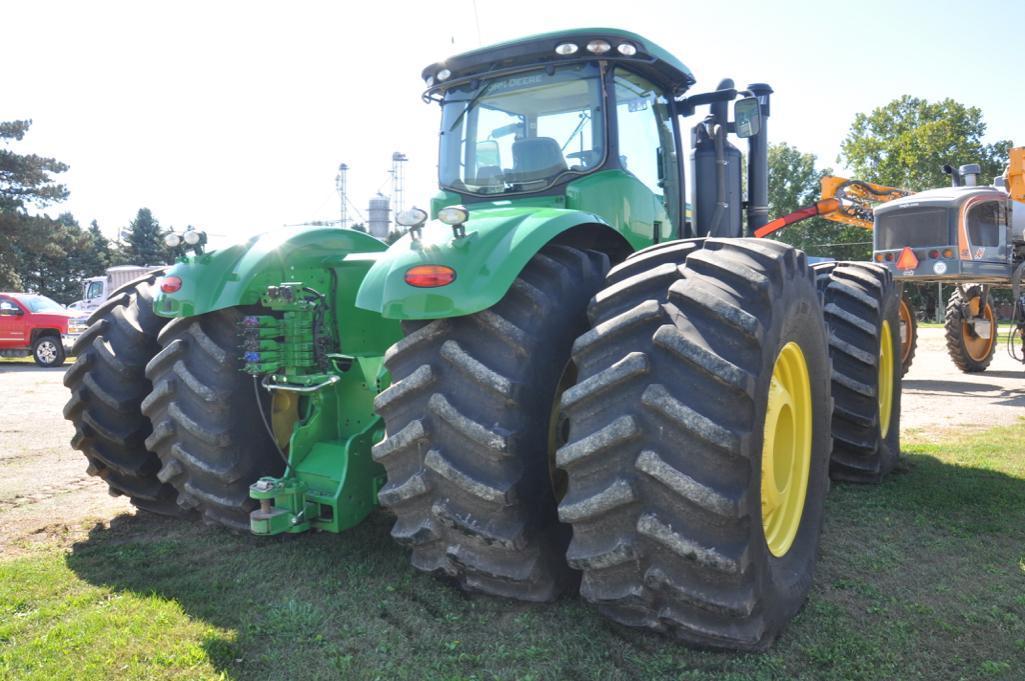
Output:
[[44, 490], [938, 398]]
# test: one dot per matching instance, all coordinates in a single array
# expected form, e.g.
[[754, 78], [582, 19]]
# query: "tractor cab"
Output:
[[588, 120]]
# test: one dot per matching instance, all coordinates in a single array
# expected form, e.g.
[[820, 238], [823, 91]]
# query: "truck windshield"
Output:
[[40, 304], [522, 133]]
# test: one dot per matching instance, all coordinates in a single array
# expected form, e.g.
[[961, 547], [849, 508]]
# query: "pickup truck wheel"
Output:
[[468, 442], [48, 351], [107, 383], [699, 440], [206, 422]]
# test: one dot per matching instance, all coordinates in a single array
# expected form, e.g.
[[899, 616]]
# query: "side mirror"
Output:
[[747, 116], [488, 154]]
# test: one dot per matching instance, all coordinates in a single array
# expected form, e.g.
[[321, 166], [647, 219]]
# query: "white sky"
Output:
[[234, 116]]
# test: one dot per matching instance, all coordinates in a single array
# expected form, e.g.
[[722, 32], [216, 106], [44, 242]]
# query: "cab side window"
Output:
[[95, 290], [647, 143], [986, 224]]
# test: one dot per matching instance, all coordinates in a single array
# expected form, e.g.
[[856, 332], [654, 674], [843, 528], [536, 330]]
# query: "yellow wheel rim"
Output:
[[786, 449], [905, 332], [978, 348], [885, 388]]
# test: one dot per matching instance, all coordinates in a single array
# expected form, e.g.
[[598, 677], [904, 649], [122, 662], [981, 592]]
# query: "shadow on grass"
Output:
[[919, 578]]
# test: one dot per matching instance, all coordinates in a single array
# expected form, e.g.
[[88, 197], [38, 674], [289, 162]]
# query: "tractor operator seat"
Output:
[[535, 158]]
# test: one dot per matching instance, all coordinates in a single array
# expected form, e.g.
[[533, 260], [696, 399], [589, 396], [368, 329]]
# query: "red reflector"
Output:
[[429, 276], [170, 284], [907, 260], [934, 254]]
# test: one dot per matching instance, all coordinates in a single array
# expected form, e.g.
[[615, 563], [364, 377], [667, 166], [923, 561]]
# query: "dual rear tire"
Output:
[[699, 442]]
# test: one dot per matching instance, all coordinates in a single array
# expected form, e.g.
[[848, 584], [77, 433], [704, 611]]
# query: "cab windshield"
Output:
[[37, 303], [522, 133]]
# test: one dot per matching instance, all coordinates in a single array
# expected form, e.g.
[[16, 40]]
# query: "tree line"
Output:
[[53, 255], [904, 144]]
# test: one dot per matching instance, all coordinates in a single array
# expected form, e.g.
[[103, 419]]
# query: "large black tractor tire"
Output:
[[207, 428], [862, 308], [908, 334], [108, 383], [665, 450], [970, 352], [468, 416]]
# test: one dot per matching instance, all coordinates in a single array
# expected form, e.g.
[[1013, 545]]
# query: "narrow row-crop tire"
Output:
[[108, 383], [665, 446], [909, 334], [467, 418], [959, 334], [862, 310], [207, 428]]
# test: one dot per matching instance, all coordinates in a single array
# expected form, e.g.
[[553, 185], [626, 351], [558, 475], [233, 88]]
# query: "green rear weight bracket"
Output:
[[330, 481]]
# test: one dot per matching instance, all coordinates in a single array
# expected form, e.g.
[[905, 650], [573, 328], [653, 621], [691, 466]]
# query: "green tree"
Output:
[[143, 241], [793, 184], [100, 255], [25, 180], [907, 142], [58, 270]]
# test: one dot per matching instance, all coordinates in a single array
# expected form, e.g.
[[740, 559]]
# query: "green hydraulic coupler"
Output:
[[321, 415]]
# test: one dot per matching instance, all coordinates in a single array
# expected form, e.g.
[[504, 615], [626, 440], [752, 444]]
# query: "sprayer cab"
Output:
[[542, 116]]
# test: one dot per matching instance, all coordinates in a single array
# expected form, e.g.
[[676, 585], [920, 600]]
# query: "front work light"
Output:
[[453, 215], [598, 46], [626, 49], [414, 217], [430, 276], [171, 240], [566, 49], [444, 74], [193, 237]]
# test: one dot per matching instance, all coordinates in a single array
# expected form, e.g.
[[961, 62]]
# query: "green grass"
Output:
[[922, 577]]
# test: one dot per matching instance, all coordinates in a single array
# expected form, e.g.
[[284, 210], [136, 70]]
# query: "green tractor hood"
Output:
[[499, 242]]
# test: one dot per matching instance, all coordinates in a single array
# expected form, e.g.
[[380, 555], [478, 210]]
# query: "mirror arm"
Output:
[[688, 104]]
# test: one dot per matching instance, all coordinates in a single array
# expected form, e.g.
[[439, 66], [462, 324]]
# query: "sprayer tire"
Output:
[[665, 445], [957, 333], [206, 424], [467, 418], [908, 349], [108, 384]]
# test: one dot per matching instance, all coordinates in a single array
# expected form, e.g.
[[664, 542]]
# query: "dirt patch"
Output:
[[939, 399], [45, 492]]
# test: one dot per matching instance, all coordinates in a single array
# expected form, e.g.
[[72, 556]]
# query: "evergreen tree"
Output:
[[25, 180], [144, 240]]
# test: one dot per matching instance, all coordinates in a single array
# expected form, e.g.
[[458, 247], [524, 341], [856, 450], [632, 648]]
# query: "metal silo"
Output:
[[379, 220]]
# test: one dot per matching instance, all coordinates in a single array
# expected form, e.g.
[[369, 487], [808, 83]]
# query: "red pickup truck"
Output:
[[36, 325]]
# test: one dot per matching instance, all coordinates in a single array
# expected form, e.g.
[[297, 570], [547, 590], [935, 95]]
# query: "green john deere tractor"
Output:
[[659, 433]]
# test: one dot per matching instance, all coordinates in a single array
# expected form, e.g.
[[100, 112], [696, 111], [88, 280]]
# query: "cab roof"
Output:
[[650, 60], [942, 196]]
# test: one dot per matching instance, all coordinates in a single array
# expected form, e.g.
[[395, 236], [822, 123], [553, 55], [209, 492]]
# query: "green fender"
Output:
[[239, 274], [324, 258], [498, 244]]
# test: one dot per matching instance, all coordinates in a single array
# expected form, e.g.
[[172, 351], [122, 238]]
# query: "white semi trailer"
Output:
[[95, 290]]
